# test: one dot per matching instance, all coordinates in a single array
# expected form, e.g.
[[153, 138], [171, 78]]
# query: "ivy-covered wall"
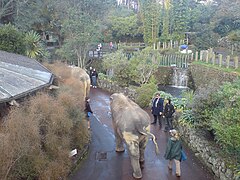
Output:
[[203, 76]]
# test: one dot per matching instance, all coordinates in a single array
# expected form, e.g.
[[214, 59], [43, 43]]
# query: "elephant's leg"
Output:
[[133, 149], [142, 146], [118, 140]]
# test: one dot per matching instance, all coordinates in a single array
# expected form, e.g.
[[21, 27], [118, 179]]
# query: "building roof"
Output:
[[20, 76]]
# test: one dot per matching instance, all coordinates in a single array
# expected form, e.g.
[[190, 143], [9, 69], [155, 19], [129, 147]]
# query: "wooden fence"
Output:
[[177, 60], [209, 56]]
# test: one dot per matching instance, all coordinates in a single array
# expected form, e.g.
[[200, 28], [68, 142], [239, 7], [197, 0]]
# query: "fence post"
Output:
[[185, 59], [210, 53], [201, 55], [207, 56], [220, 60], [175, 60], [213, 58], [171, 44], [236, 62], [228, 61], [196, 56]]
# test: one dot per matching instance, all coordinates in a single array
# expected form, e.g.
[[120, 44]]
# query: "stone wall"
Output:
[[207, 153]]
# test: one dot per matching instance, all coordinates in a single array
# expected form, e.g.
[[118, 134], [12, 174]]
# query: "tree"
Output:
[[166, 20], [143, 64], [122, 27], [117, 67], [181, 18], [34, 46], [79, 31], [150, 15], [6, 9]]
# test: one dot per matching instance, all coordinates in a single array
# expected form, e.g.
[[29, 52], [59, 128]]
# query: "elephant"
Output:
[[83, 76], [131, 126]]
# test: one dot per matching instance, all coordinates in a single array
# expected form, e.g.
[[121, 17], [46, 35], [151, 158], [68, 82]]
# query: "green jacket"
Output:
[[173, 150]]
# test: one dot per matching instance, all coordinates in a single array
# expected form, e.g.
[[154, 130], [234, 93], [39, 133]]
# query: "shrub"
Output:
[[12, 40], [225, 117], [145, 93], [202, 104], [37, 137]]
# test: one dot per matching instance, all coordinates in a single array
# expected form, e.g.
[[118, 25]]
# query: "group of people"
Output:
[[93, 77], [174, 146], [159, 111]]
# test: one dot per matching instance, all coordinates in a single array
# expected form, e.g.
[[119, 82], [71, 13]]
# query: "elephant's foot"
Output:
[[141, 164], [137, 175], [120, 149]]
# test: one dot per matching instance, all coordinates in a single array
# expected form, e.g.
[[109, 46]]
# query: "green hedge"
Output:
[[12, 40]]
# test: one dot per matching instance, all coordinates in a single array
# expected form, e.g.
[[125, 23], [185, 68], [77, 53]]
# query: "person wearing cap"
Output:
[[157, 109], [173, 151], [168, 113]]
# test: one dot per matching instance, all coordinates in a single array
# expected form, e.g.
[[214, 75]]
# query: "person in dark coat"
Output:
[[88, 110], [90, 75], [94, 78], [157, 109], [168, 113], [173, 151]]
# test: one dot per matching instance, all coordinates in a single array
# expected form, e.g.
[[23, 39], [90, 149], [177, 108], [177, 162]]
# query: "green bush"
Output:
[[145, 94], [218, 110], [234, 36], [12, 40], [225, 119]]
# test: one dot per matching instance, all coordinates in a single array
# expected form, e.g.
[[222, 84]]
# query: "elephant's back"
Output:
[[132, 118]]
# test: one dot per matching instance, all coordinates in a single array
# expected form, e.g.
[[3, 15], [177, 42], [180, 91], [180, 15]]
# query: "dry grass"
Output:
[[37, 137]]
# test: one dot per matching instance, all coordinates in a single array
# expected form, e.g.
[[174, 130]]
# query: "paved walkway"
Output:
[[103, 163]]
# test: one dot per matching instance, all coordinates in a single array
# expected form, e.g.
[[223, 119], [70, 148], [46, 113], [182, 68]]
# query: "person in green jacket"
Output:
[[173, 151]]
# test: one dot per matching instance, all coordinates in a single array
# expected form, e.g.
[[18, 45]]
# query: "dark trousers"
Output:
[[159, 118], [168, 124]]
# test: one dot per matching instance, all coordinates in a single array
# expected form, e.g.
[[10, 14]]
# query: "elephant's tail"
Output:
[[147, 132], [154, 141]]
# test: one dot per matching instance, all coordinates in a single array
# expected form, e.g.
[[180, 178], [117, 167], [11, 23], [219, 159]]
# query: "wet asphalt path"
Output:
[[103, 163]]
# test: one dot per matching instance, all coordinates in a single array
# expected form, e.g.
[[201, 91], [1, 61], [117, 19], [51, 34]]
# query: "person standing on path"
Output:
[[94, 78], [168, 113], [157, 109], [88, 110], [173, 151]]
